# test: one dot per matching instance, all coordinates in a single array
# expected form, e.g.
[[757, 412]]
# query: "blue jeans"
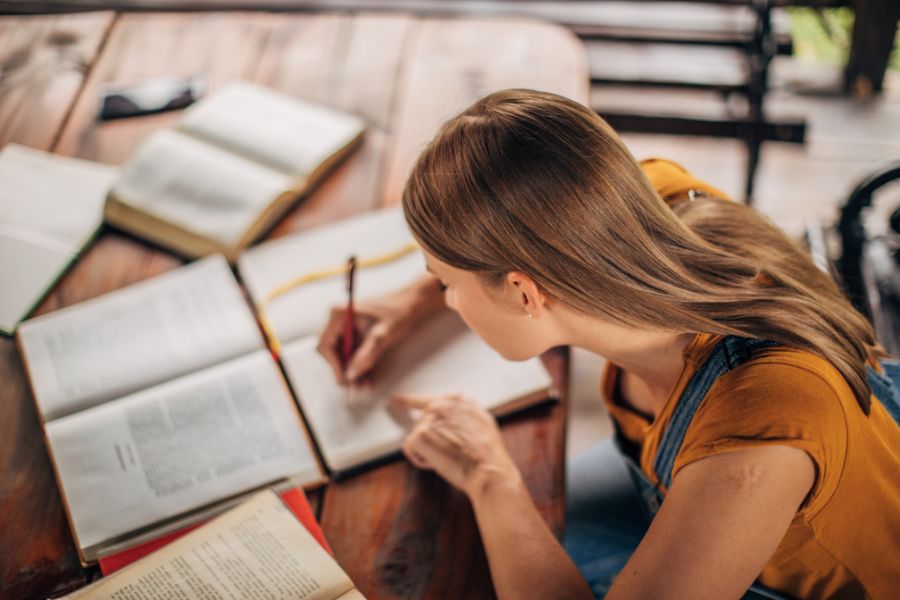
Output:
[[604, 518]]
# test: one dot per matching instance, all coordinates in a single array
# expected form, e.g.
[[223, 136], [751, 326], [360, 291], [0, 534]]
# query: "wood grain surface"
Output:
[[400, 533], [44, 62]]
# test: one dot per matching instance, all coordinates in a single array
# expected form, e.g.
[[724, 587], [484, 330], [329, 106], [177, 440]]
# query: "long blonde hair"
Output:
[[531, 181]]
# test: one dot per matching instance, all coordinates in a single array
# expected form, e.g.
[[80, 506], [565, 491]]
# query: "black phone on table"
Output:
[[149, 96]]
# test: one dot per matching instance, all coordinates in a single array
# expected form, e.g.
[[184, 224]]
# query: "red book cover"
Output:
[[293, 498]]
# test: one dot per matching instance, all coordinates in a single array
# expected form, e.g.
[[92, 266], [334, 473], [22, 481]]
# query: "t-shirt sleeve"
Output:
[[769, 402], [672, 181]]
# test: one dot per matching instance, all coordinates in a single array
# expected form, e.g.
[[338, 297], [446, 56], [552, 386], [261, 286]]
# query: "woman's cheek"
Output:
[[494, 331]]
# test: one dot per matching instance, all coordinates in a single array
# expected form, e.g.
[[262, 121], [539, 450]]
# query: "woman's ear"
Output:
[[527, 295]]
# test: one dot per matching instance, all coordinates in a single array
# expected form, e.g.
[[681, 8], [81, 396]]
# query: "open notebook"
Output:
[[159, 400], [442, 356]]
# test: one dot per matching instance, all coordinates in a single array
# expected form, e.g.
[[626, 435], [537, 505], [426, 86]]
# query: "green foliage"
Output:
[[823, 35]]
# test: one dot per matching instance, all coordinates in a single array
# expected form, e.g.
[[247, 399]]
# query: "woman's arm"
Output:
[[722, 519], [462, 443], [526, 560]]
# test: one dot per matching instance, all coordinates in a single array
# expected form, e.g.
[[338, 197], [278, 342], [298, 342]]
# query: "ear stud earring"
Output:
[[530, 316]]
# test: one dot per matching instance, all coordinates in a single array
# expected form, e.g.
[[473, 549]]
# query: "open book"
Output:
[[235, 164], [51, 207], [442, 356], [159, 401], [256, 550]]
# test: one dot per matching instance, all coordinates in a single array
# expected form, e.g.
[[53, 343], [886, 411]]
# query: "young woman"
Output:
[[740, 380]]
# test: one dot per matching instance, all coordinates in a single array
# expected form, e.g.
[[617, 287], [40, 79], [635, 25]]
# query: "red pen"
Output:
[[349, 338]]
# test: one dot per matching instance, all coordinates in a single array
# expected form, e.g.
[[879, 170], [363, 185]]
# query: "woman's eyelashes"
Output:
[[441, 285]]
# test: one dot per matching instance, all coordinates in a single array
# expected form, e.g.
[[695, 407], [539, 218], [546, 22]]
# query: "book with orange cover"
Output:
[[293, 497], [258, 549]]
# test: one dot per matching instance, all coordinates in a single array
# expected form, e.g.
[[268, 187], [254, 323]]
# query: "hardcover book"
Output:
[[236, 162]]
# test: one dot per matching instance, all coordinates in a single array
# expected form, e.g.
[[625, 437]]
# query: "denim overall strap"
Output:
[[730, 352], [886, 387]]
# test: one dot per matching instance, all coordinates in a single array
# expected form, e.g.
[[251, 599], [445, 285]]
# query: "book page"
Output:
[[442, 357], [54, 196], [256, 550], [198, 186], [283, 132], [304, 310], [27, 270], [50, 207], [178, 446], [165, 326]]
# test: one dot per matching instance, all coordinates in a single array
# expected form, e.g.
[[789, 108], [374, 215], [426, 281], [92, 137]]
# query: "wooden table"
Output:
[[398, 532]]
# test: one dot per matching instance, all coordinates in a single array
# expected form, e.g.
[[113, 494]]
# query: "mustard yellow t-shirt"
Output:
[[673, 182], [844, 542]]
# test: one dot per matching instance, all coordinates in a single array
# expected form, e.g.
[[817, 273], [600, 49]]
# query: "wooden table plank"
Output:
[[43, 62], [366, 53], [221, 47], [455, 61]]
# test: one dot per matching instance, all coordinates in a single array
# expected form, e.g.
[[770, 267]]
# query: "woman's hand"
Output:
[[461, 442], [381, 323], [457, 439]]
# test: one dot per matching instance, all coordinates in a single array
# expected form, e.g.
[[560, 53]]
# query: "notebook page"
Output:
[[50, 207], [165, 326], [178, 446], [442, 357], [198, 186], [304, 310], [283, 132]]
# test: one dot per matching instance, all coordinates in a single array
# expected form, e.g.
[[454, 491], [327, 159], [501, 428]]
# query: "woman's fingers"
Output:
[[380, 322], [453, 437], [369, 352], [329, 344], [412, 448], [413, 401]]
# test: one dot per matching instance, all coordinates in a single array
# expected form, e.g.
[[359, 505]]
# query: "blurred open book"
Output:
[[236, 162], [160, 403]]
